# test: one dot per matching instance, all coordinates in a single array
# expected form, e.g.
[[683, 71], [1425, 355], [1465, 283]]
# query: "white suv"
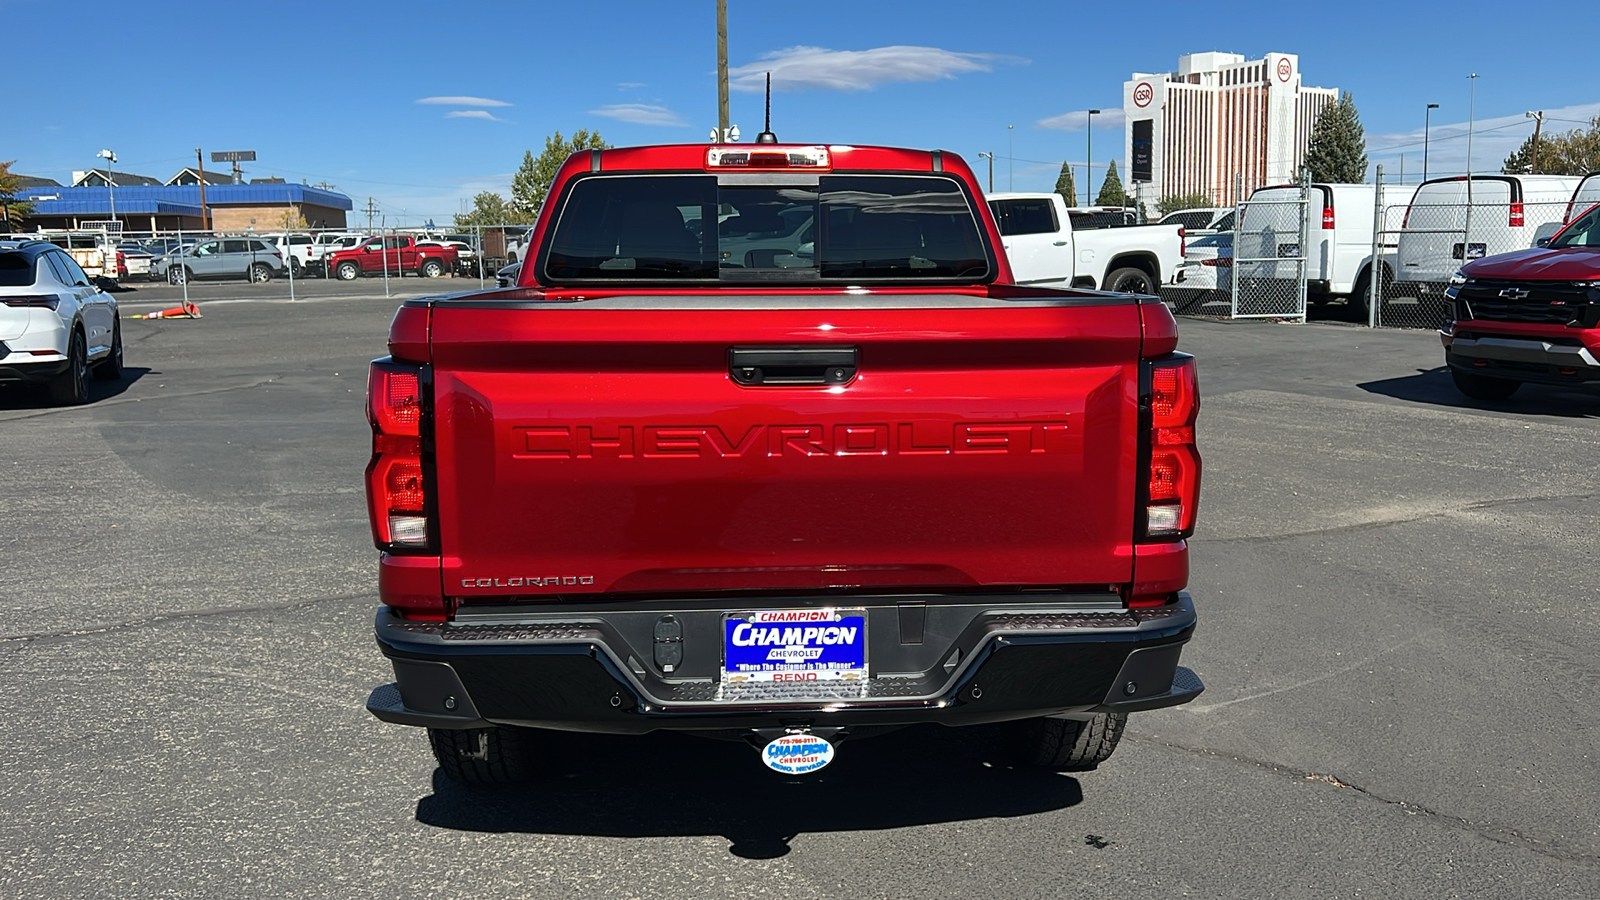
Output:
[[54, 323]]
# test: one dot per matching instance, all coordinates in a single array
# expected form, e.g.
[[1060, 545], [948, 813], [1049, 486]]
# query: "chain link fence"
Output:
[[111, 253], [1269, 262], [1433, 240]]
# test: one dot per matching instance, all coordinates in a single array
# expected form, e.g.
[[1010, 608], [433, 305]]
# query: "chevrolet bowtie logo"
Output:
[[1514, 294]]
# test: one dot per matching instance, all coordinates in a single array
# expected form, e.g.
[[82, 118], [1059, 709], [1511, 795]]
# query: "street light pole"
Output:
[[111, 181], [1472, 100], [990, 155], [1426, 121], [1088, 166]]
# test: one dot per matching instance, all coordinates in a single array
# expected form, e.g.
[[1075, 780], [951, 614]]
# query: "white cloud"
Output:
[[639, 114], [1493, 139], [462, 101], [471, 114], [807, 68], [1073, 121]]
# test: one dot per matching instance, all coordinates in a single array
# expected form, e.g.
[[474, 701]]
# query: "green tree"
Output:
[[489, 208], [532, 181], [1064, 185], [12, 210], [1111, 189], [1337, 152], [1575, 152], [1174, 202]]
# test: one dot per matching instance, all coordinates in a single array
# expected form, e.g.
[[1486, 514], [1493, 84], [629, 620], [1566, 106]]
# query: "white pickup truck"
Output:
[[1045, 252]]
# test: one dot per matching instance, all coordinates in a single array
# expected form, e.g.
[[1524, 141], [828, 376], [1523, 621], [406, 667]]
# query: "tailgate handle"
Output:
[[792, 365]]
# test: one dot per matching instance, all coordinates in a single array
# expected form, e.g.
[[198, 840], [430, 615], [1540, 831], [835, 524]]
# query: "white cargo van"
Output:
[[1585, 195], [1339, 236], [1507, 212]]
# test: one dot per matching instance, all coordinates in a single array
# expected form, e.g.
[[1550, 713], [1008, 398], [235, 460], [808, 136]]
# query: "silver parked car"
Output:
[[227, 257]]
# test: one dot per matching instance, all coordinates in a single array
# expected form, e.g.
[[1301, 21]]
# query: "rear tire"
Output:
[[1482, 387], [110, 368], [484, 756], [1068, 745], [1130, 281], [431, 268], [260, 273], [295, 268], [71, 387]]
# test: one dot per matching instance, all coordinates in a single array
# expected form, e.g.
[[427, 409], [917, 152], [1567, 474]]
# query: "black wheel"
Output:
[[177, 275], [295, 268], [485, 756], [1482, 387], [347, 271], [1130, 281], [431, 268], [110, 368], [71, 387], [1066, 744], [260, 273]]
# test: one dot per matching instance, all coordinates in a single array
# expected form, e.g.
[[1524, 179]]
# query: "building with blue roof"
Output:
[[170, 207]]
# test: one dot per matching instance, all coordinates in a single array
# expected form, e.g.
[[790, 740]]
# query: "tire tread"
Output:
[[509, 755]]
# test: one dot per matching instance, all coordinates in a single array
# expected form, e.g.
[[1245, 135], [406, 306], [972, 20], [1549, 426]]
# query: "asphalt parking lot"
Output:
[[1399, 652]]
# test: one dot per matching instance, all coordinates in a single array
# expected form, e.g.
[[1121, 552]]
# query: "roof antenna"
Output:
[[766, 136]]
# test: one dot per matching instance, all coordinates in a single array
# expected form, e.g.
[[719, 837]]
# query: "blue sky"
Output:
[[330, 91]]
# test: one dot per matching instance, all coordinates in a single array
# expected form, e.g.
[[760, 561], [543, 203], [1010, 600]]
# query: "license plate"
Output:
[[795, 645]]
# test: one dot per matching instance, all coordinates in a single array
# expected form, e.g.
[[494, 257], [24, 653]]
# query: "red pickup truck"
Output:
[[766, 445], [1530, 316], [397, 254]]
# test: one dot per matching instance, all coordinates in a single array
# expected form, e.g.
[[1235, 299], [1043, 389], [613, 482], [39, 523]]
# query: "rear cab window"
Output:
[[852, 228], [1025, 216]]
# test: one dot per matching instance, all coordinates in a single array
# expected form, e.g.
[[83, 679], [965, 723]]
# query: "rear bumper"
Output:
[[955, 661]]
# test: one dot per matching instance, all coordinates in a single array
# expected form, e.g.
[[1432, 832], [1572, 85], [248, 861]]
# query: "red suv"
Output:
[[1530, 316]]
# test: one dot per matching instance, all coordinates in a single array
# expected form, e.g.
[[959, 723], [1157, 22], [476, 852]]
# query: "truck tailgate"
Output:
[[603, 446]]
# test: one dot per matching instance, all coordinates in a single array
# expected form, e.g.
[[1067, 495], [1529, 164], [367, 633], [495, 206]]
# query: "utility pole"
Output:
[[372, 210], [1538, 123], [1011, 151], [1088, 168], [722, 70], [205, 217], [985, 153]]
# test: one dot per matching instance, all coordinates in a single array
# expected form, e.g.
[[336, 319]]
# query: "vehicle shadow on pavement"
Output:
[[667, 785], [1435, 387], [35, 396]]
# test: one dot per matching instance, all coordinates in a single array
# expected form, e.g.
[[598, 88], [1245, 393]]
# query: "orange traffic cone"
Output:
[[186, 310]]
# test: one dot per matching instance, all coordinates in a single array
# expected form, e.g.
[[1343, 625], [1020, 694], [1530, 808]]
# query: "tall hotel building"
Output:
[[1219, 115]]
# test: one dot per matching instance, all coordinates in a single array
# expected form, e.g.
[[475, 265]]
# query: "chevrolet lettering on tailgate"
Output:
[[879, 439]]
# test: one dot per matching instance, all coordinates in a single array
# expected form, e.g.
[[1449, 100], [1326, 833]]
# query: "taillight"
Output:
[[397, 492], [1172, 493], [42, 301], [1225, 262], [1516, 214], [1327, 217], [1183, 242], [121, 260]]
